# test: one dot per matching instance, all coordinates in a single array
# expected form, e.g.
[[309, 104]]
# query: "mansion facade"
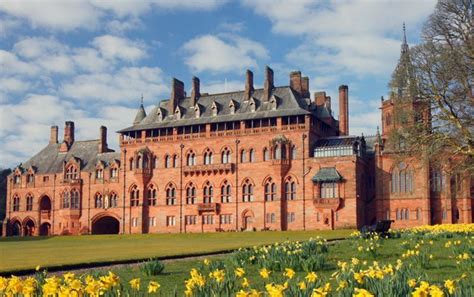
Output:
[[273, 158]]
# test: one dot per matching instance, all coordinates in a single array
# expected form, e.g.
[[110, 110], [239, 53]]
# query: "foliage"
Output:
[[152, 267]]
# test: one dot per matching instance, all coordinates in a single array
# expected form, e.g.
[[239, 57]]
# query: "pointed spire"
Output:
[[404, 44], [141, 114]]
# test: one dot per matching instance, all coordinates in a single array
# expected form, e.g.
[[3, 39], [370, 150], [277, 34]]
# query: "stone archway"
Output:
[[106, 225], [248, 220], [29, 228], [45, 229], [45, 207], [15, 229]]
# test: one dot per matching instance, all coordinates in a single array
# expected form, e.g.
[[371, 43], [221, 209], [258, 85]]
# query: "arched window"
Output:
[[17, 179], [175, 161], [251, 156], [113, 200], [277, 152], [151, 195], [398, 215], [139, 162], [191, 159], [71, 172], [131, 163], [290, 189], [401, 179], [226, 156], [266, 154], [270, 190], [243, 156], [134, 196], [99, 173], [283, 154], [208, 193], [167, 162], [30, 178], [114, 172], [170, 195], [145, 162], [208, 158], [154, 163], [66, 200], [407, 214], [225, 192], [75, 199], [247, 191], [99, 203], [437, 180], [16, 203], [191, 194], [293, 152], [29, 202]]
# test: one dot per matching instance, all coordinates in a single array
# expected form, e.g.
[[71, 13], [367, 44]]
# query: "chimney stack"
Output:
[[295, 81], [344, 110], [69, 133], [305, 87], [196, 91], [320, 98], [327, 103], [103, 139], [268, 84], [177, 93], [54, 135], [248, 85]]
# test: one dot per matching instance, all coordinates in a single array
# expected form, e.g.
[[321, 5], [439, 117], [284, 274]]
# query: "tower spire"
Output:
[[404, 44]]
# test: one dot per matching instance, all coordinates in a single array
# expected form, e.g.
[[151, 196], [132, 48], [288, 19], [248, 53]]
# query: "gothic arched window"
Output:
[[170, 195], [208, 192], [98, 200], [290, 189], [134, 196], [270, 190], [151, 195], [225, 192], [191, 194], [247, 191], [226, 156]]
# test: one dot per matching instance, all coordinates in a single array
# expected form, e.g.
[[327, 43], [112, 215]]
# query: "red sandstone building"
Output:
[[258, 159]]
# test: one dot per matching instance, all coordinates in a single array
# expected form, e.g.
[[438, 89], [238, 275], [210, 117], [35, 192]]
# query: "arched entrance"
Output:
[[247, 220], [45, 207], [106, 225], [28, 228], [15, 228], [45, 229]]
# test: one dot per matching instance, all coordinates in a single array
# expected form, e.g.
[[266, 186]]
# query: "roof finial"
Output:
[[141, 100]]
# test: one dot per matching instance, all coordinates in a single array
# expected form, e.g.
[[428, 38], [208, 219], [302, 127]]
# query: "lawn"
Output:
[[441, 267], [26, 253]]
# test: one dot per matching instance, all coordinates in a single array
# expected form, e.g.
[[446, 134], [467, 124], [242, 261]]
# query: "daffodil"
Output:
[[289, 273], [135, 284], [264, 273], [153, 287], [311, 277]]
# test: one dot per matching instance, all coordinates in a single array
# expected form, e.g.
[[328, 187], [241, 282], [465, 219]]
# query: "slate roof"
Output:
[[288, 103], [327, 174], [141, 114], [51, 160], [337, 141]]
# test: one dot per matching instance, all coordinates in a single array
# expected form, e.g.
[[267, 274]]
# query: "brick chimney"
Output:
[[53, 138], [305, 87], [196, 92], [248, 85], [268, 84], [295, 81], [103, 139], [177, 93], [344, 110], [320, 98], [69, 133]]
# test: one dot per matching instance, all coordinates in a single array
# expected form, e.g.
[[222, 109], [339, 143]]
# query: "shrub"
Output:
[[152, 267]]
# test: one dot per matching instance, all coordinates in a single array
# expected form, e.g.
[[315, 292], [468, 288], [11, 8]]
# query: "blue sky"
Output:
[[90, 61]]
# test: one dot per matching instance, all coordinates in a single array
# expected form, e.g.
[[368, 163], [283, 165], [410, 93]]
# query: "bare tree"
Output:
[[439, 80]]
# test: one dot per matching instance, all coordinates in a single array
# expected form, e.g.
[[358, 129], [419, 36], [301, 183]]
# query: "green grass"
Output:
[[176, 272], [26, 253]]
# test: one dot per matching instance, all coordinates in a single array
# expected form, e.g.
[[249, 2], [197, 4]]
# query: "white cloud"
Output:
[[121, 26], [12, 84], [125, 85], [215, 87], [10, 64], [54, 14], [224, 53], [235, 27], [113, 47], [38, 47], [7, 25], [71, 15], [360, 37]]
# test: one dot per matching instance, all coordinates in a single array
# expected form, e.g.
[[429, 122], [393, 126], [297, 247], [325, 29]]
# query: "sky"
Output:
[[91, 61]]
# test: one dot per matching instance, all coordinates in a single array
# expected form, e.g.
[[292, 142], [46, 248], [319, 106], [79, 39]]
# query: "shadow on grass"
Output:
[[25, 238]]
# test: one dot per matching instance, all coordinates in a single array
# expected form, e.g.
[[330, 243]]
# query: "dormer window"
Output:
[[214, 109], [197, 111], [273, 103], [30, 178], [252, 105], [159, 115], [72, 173], [177, 113], [232, 107], [99, 173]]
